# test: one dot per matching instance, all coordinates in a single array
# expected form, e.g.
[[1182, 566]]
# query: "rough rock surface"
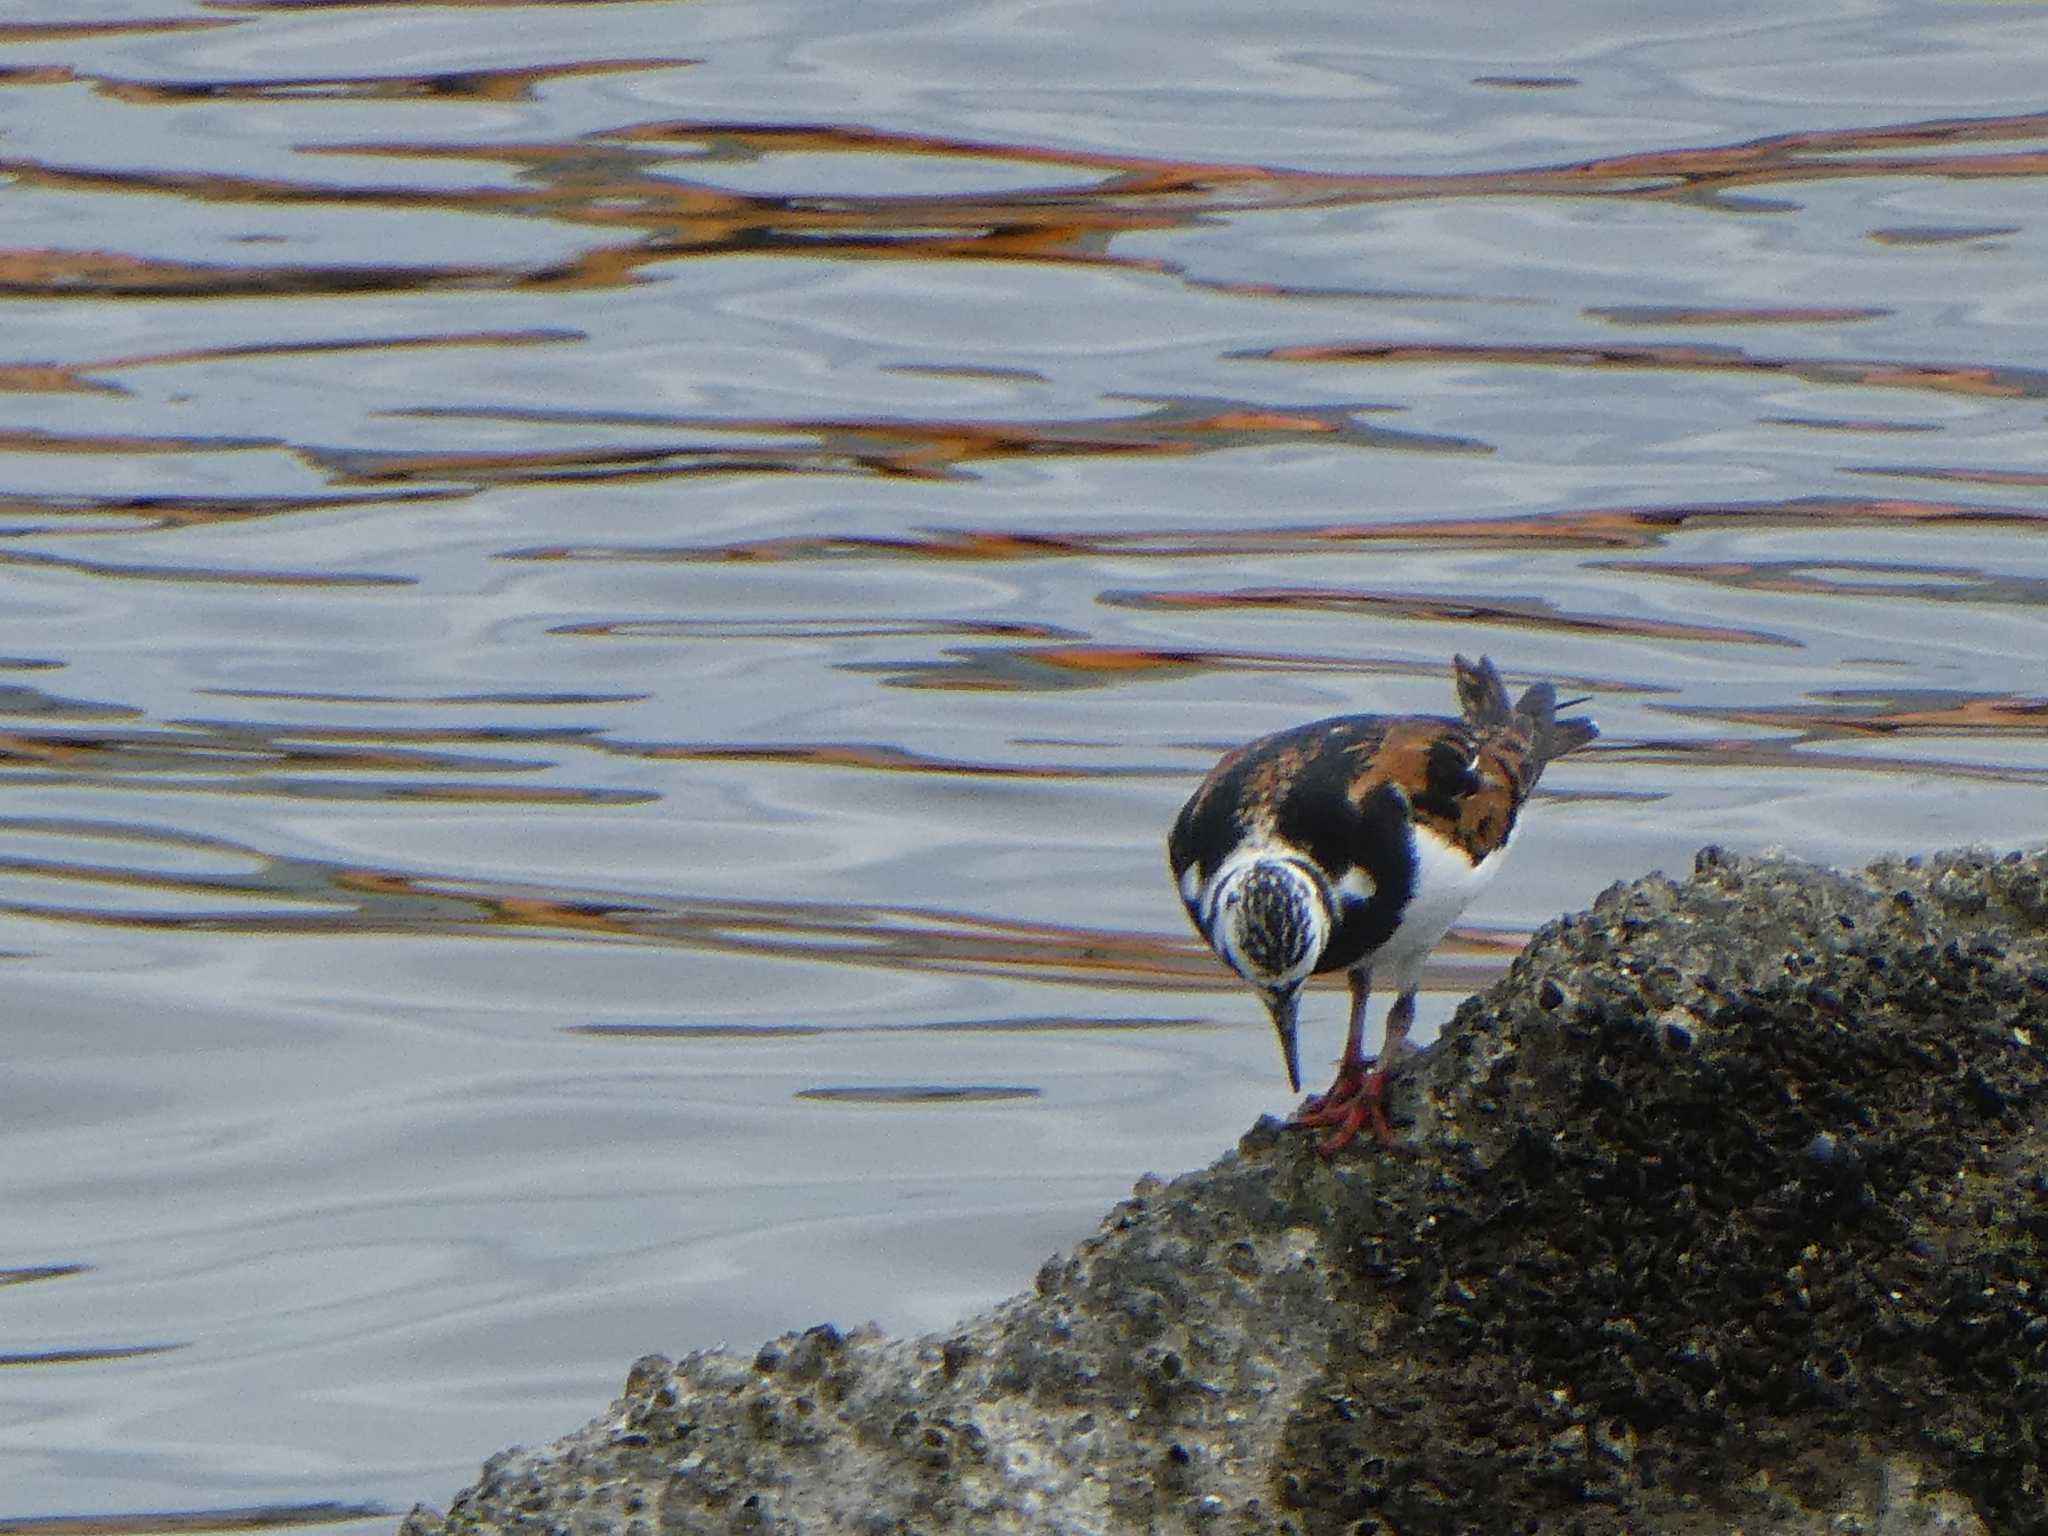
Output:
[[1727, 1209]]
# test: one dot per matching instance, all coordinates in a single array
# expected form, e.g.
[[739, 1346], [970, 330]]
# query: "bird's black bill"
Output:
[[1281, 1007]]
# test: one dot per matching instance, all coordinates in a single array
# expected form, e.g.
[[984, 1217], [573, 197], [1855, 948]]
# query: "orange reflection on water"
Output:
[[1044, 667], [876, 757], [1997, 382], [67, 31], [1885, 579], [1525, 613], [1842, 712], [1588, 528], [256, 892], [1791, 753], [297, 762], [150, 510], [1676, 314], [2021, 477], [636, 180], [909, 449], [497, 85]]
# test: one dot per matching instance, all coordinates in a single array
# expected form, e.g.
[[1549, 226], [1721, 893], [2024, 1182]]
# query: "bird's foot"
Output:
[[1357, 1099], [1350, 1081]]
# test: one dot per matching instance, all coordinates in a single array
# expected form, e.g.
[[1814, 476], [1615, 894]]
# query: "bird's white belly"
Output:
[[1445, 883]]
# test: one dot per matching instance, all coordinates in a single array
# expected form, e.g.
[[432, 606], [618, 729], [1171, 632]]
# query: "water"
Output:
[[606, 607]]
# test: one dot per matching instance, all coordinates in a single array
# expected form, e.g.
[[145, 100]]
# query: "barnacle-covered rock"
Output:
[[1727, 1207]]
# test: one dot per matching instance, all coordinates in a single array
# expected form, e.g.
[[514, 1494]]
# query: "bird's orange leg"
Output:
[[1357, 1098]]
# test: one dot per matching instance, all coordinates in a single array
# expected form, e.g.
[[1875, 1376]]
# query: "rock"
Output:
[[1726, 1208]]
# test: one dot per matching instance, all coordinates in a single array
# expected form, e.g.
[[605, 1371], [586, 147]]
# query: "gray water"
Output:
[[603, 609]]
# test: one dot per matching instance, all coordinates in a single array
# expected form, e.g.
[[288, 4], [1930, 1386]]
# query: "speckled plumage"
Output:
[[1368, 834]]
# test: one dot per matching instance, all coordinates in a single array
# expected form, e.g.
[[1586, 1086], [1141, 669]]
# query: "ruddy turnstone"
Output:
[[1352, 844]]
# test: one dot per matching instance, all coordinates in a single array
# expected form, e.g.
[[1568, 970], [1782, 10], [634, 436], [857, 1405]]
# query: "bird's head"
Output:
[[1270, 919]]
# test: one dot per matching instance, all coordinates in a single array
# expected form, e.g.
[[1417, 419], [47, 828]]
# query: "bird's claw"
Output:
[[1357, 1099]]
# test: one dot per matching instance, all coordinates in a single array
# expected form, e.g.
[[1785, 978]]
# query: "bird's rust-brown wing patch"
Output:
[[1270, 777], [1505, 778], [1464, 785]]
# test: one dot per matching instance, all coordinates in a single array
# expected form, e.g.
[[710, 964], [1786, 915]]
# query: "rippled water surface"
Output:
[[606, 605]]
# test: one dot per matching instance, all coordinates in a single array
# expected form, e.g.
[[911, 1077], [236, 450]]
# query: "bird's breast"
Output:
[[1446, 881]]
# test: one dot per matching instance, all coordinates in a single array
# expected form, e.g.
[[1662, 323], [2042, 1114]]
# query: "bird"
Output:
[[1352, 844]]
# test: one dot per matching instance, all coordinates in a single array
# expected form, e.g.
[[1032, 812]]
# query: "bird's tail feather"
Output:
[[1549, 736], [1483, 698]]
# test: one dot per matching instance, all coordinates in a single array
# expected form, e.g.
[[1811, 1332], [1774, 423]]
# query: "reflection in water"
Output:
[[814, 629], [1045, 668], [1851, 578], [637, 180], [201, 757], [2014, 477], [1942, 234], [874, 757], [1839, 424], [36, 1272], [907, 449], [1033, 1026], [67, 31], [1527, 613], [187, 573], [85, 1355], [250, 891], [916, 1093], [86, 377], [1876, 712], [1594, 528], [1736, 752], [1674, 314], [1996, 382], [496, 85], [76, 1355], [109, 514]]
